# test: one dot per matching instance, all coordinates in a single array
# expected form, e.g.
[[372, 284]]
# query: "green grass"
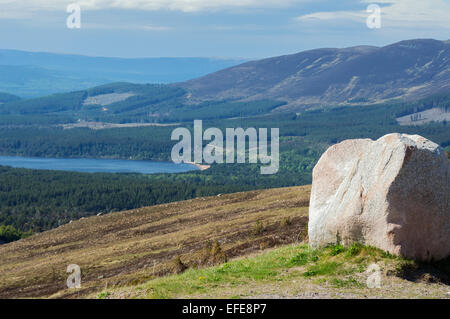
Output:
[[103, 295], [265, 267], [335, 266], [323, 268], [346, 283], [336, 250]]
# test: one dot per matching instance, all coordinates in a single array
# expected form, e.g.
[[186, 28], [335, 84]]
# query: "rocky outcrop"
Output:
[[392, 193]]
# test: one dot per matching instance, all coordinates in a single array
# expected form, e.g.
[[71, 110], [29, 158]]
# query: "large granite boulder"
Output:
[[392, 193]]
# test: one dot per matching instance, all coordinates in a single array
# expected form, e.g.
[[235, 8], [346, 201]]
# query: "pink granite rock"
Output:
[[392, 193]]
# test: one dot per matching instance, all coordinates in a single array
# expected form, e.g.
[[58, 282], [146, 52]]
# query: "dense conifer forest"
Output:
[[34, 200]]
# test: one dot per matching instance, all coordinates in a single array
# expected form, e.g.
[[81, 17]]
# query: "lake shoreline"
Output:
[[97, 165], [202, 167]]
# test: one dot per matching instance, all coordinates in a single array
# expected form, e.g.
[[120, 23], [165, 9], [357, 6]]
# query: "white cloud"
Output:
[[334, 15], [126, 27], [395, 13], [189, 5], [151, 5]]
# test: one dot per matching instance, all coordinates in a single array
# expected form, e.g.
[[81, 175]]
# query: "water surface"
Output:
[[88, 165]]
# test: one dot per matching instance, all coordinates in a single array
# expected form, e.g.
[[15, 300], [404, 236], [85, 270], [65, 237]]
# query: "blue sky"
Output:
[[214, 28]]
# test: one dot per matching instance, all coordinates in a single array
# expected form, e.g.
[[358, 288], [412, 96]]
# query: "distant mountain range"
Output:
[[409, 69], [6, 97], [32, 74]]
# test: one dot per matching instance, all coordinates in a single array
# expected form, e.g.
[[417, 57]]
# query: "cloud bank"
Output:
[[394, 13]]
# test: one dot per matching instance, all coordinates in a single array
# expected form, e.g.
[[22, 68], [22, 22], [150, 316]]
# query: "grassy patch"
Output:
[[346, 283], [265, 267], [103, 295], [304, 257], [336, 266], [337, 249], [322, 268], [354, 250]]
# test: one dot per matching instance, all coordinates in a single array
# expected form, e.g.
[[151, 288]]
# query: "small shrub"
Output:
[[258, 228], [336, 250], [9, 233], [217, 254], [387, 255], [178, 266], [354, 250], [286, 222], [264, 244], [212, 254]]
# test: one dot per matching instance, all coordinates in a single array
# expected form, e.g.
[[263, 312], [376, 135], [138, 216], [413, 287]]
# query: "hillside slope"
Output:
[[298, 272], [126, 103], [134, 246], [409, 69], [32, 74], [6, 97], [243, 245]]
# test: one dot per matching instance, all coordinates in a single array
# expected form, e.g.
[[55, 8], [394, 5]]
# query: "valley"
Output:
[[36, 74], [222, 232], [304, 136]]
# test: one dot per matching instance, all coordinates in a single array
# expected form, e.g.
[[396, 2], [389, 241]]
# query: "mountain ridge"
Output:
[[6, 97], [408, 69]]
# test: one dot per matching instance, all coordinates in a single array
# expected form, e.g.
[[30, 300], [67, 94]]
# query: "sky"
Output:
[[214, 28]]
